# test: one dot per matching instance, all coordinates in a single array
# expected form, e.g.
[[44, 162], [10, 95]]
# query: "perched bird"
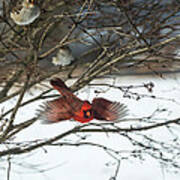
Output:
[[69, 106], [63, 57], [27, 14]]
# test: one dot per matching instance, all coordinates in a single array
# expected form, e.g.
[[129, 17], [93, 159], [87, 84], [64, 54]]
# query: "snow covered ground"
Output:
[[89, 162]]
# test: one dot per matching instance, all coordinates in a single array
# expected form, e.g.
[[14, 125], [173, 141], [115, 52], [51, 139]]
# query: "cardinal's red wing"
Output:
[[107, 110], [58, 110]]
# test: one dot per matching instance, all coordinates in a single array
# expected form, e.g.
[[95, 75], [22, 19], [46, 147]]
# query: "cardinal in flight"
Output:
[[69, 106]]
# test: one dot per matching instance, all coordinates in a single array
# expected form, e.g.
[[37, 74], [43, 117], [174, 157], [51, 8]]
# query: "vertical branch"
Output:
[[13, 115], [9, 167]]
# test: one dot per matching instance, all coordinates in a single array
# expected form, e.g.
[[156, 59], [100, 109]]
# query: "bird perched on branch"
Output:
[[69, 106], [26, 14]]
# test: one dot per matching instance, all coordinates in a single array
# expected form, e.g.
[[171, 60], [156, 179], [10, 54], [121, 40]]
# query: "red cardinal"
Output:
[[69, 106]]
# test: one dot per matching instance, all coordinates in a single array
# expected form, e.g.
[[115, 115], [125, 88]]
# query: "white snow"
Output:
[[89, 162]]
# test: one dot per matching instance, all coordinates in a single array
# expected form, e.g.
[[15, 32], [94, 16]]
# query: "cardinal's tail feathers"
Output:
[[58, 83]]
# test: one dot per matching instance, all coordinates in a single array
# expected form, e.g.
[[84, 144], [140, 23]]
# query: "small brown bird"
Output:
[[70, 106]]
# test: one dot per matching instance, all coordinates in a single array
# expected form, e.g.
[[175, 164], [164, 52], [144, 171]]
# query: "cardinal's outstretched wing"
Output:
[[62, 108], [109, 111], [58, 110]]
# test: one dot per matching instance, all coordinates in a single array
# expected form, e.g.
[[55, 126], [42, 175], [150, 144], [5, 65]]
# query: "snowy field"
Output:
[[90, 162]]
